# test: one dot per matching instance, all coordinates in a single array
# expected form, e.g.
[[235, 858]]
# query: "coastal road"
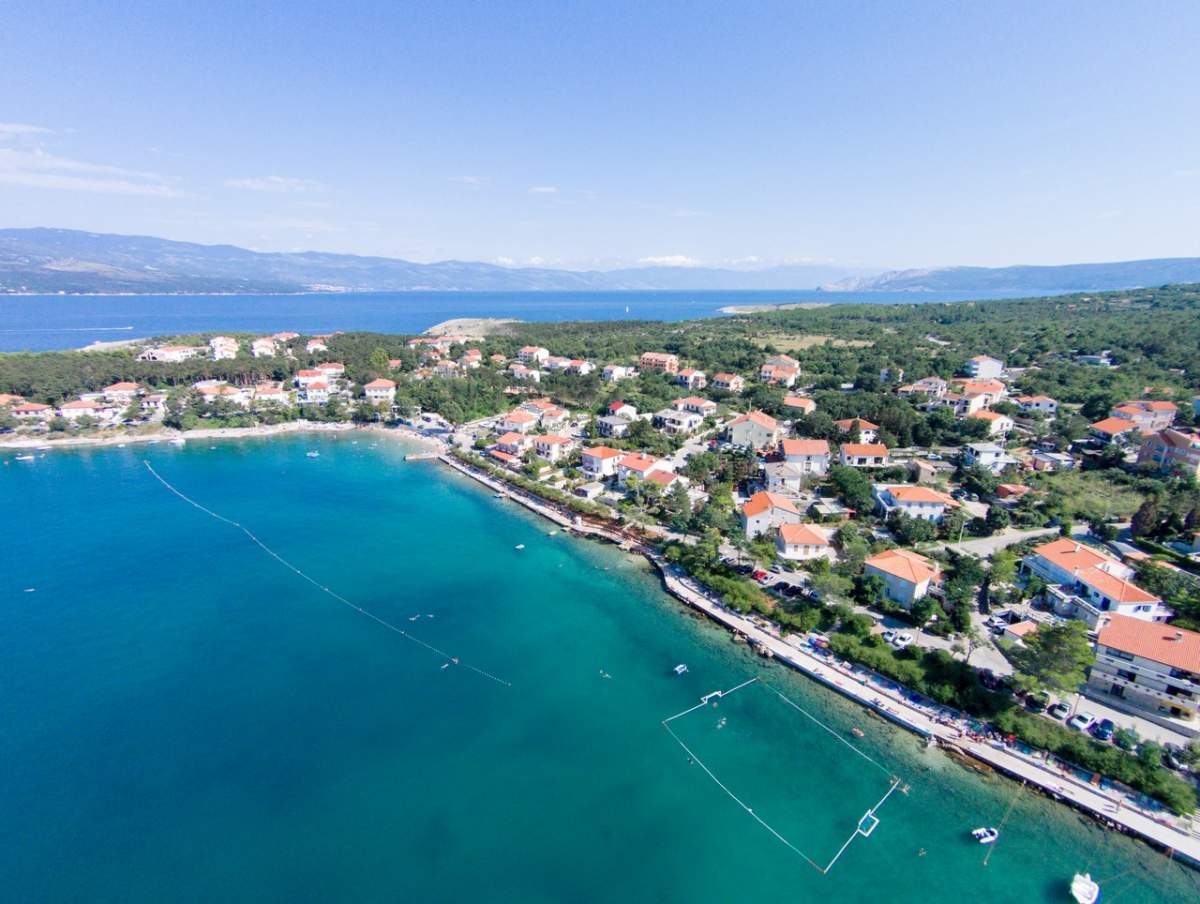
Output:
[[984, 547]]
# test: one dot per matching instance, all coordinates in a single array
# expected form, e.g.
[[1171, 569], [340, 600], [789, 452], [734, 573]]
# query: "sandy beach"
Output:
[[472, 326], [165, 435], [766, 308]]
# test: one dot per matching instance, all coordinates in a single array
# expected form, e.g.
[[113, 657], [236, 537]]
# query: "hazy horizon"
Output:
[[865, 136]]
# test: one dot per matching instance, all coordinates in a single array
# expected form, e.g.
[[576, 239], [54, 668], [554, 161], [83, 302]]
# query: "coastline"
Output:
[[884, 697], [767, 308], [166, 435]]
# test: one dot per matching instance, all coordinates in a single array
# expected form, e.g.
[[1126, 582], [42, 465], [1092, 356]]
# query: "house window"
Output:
[[1127, 675], [1119, 654]]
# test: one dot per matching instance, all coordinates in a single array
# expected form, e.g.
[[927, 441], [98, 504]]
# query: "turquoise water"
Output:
[[186, 720]]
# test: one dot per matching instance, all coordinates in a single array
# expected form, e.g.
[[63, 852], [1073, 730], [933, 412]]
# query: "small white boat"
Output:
[[178, 441], [24, 457], [985, 834], [519, 546], [1084, 889], [680, 669], [313, 454]]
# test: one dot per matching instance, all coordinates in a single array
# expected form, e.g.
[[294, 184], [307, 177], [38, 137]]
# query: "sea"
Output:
[[187, 718], [42, 322]]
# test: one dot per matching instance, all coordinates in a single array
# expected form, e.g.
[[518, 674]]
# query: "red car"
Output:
[[760, 575]]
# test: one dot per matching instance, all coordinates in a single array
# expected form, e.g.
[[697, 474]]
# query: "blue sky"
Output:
[[605, 134]]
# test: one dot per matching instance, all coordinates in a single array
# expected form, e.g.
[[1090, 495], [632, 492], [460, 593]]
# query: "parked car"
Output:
[[1105, 730], [1037, 703], [1081, 721], [889, 636], [1059, 711], [902, 640], [761, 575]]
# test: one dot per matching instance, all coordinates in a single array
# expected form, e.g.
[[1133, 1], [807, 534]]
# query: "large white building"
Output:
[[981, 367], [1150, 670]]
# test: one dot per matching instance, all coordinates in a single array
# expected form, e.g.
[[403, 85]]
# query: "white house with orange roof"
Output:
[[285, 336], [270, 394], [621, 409], [94, 408], [521, 372], [990, 391], [121, 393], [729, 382], [556, 363], [756, 430], [518, 421], [863, 455], [934, 387], [867, 432], [696, 405], [580, 366], [1115, 430], [514, 443], [380, 392], [315, 345], [1037, 404], [998, 424], [808, 456], [913, 501], [907, 576], [533, 354], [677, 421], [804, 542], [551, 447], [223, 348], [1087, 583], [614, 373], [263, 348], [333, 370], [639, 464], [305, 378], [1150, 670], [766, 510], [211, 391], [599, 462], [32, 412], [316, 392], [1172, 449], [661, 362], [779, 374], [799, 404], [783, 361], [153, 403], [1149, 415], [983, 367], [691, 378]]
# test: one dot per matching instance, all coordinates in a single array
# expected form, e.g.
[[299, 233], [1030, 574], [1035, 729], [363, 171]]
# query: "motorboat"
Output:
[[519, 546], [23, 457], [1084, 889], [178, 441], [313, 454], [985, 834], [680, 669]]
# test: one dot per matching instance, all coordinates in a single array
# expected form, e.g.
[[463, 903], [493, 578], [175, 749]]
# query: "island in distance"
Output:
[[50, 261]]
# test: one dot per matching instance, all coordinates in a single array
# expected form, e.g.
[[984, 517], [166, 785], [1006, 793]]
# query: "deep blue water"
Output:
[[183, 719], [39, 322]]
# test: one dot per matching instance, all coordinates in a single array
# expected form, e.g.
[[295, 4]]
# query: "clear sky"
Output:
[[606, 133]]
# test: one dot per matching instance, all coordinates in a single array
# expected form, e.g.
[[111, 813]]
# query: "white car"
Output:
[[889, 636], [902, 640], [1081, 721]]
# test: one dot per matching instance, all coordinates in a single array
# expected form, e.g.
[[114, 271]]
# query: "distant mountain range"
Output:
[[1028, 279], [65, 260], [71, 261]]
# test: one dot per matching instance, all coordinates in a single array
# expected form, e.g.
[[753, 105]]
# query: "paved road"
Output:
[[987, 546]]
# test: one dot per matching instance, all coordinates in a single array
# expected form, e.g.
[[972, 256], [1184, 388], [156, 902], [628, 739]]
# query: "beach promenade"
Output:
[[951, 730]]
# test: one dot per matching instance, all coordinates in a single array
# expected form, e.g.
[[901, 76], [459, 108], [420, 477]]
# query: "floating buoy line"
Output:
[[865, 825], [449, 660]]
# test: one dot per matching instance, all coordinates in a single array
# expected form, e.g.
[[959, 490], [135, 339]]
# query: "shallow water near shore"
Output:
[[187, 720]]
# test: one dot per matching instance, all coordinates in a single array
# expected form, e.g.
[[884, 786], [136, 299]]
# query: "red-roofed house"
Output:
[[998, 424], [906, 575], [765, 510], [809, 456], [863, 455], [801, 404], [1150, 670], [73, 411], [695, 405], [518, 421], [621, 409], [779, 374], [380, 392], [121, 393], [729, 382], [32, 411], [755, 430], [1172, 450], [922, 503], [1114, 429], [691, 378], [639, 464], [867, 432], [803, 542], [659, 361], [551, 447], [513, 443], [1148, 414], [601, 461], [1038, 404]]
